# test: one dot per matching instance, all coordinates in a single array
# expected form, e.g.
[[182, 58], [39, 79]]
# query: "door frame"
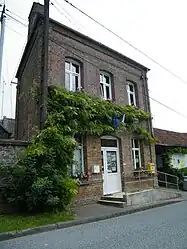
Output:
[[118, 173]]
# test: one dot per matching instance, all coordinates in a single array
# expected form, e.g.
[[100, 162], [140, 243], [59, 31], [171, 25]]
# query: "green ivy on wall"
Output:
[[77, 112]]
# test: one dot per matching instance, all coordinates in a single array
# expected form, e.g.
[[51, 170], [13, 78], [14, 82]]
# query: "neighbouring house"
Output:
[[173, 146], [9, 125], [79, 62]]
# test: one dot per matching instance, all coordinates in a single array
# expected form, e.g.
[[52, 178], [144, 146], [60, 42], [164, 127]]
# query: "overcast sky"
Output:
[[156, 27]]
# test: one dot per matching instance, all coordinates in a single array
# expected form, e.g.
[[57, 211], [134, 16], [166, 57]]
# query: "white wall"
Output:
[[179, 161]]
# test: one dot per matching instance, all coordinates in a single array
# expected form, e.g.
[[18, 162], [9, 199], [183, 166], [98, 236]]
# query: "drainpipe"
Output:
[[148, 109]]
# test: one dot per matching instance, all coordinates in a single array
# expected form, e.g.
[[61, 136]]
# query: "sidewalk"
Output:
[[88, 214], [100, 212]]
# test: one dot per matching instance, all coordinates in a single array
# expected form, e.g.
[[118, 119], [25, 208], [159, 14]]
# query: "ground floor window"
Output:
[[78, 166], [136, 155]]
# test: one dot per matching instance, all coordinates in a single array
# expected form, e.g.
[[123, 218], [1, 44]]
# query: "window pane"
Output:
[[107, 92], [67, 65], [132, 99], [108, 143], [73, 83], [137, 159], [75, 68], [101, 90], [78, 138], [67, 81], [106, 79], [111, 161], [136, 143], [77, 83], [101, 78], [77, 167], [132, 143], [131, 88]]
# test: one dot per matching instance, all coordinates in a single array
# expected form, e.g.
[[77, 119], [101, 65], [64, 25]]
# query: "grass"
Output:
[[20, 222]]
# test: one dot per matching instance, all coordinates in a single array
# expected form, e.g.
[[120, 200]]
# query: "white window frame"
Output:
[[134, 149], [129, 93], [80, 147], [103, 92], [73, 74]]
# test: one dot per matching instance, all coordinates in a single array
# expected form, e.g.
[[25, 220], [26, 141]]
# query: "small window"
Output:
[[105, 86], [109, 143], [131, 94], [136, 154], [78, 166], [72, 76]]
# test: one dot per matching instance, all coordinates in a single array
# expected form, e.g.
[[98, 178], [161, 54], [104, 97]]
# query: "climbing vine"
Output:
[[77, 112]]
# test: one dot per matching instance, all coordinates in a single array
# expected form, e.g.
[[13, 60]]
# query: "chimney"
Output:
[[36, 9]]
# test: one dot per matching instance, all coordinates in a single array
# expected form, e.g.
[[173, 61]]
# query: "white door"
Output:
[[111, 170]]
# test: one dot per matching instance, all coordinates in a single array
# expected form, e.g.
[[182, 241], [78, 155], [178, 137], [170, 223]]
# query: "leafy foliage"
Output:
[[39, 181], [92, 116]]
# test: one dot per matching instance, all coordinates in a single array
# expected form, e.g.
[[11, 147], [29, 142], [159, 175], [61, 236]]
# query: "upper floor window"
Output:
[[131, 94], [105, 86], [136, 155], [72, 76]]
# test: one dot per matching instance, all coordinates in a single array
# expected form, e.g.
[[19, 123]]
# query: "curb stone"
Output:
[[51, 227]]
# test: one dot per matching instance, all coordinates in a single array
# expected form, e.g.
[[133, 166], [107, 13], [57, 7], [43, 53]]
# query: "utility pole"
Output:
[[2, 20], [44, 66]]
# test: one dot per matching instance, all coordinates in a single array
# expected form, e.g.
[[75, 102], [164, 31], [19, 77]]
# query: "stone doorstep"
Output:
[[116, 200], [119, 204]]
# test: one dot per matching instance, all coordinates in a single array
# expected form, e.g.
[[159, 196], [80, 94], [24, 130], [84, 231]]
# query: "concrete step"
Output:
[[113, 198], [119, 204]]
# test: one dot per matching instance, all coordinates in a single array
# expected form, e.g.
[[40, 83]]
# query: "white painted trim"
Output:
[[102, 73], [116, 149], [72, 74], [131, 92], [109, 137]]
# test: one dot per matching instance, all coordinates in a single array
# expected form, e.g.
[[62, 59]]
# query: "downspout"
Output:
[[148, 109]]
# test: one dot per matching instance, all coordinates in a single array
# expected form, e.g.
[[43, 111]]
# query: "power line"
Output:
[[14, 30], [62, 13], [17, 20], [127, 42], [84, 59], [17, 15]]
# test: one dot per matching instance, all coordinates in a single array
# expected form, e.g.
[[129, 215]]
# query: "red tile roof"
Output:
[[170, 137]]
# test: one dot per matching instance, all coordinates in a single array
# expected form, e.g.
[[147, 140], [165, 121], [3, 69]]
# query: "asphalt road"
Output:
[[162, 228]]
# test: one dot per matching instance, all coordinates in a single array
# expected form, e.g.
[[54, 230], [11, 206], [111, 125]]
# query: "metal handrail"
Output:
[[166, 179], [160, 172], [154, 177]]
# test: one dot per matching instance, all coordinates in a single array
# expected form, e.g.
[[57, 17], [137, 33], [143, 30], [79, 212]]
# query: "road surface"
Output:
[[162, 228]]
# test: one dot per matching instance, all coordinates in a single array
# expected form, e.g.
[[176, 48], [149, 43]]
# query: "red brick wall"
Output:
[[93, 190], [90, 193]]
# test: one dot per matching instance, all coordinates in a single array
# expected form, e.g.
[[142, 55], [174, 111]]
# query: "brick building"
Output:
[[75, 62]]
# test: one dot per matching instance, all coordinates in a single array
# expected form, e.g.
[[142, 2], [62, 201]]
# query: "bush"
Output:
[[39, 181]]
